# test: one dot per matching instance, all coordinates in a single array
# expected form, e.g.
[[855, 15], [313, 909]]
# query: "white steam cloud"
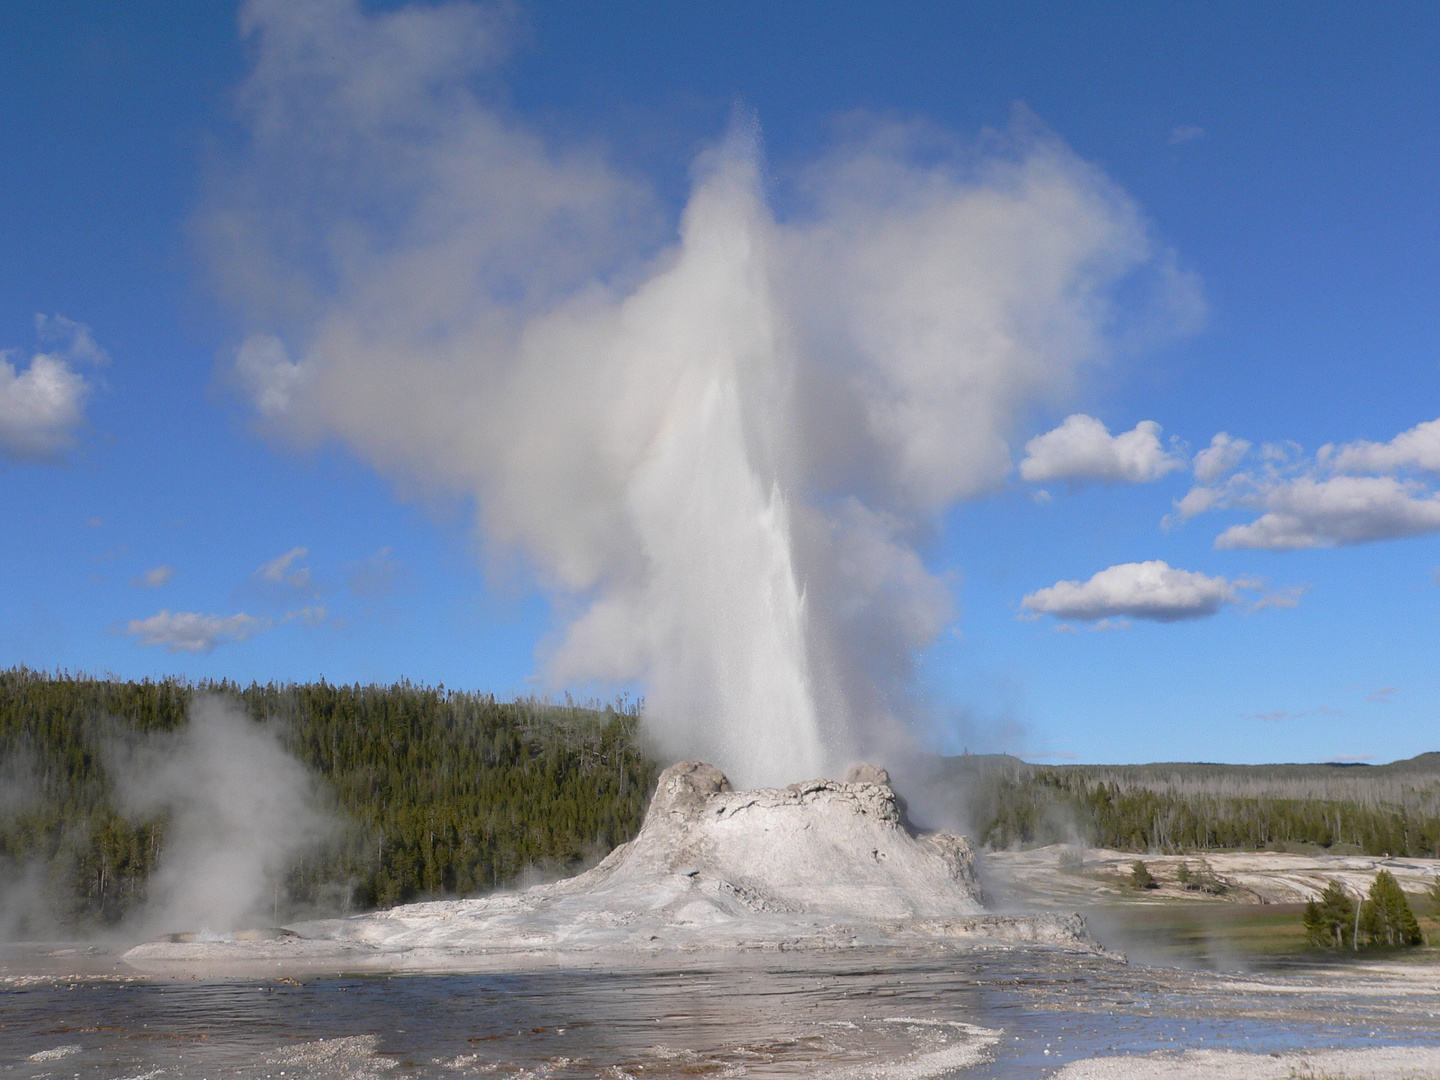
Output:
[[722, 452], [241, 809]]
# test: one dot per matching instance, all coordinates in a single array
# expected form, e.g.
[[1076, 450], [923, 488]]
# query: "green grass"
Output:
[[1250, 936]]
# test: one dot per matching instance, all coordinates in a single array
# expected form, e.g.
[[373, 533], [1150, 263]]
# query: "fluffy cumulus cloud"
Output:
[[1222, 456], [1353, 494], [718, 440], [1082, 448], [189, 632], [1417, 449], [1152, 590], [1339, 510], [42, 406]]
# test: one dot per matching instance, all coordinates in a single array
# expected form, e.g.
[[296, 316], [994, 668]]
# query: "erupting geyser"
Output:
[[721, 437]]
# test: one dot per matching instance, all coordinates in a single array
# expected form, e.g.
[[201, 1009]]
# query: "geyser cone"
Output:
[[822, 847]]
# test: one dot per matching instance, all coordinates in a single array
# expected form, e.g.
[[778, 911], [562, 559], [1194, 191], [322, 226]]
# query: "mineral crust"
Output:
[[818, 865]]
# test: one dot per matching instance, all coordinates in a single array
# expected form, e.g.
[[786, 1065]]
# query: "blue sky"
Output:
[[1284, 160]]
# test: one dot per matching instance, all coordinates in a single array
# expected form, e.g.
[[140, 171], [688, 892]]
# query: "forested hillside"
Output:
[[439, 792], [1369, 809]]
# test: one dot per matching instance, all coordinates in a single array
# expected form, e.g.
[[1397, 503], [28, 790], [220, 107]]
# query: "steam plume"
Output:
[[240, 807], [721, 454]]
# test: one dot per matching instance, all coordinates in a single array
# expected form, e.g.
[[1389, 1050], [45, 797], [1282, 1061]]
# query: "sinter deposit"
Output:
[[818, 865]]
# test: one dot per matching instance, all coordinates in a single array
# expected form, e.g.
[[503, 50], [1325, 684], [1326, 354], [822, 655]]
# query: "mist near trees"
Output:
[[285, 801]]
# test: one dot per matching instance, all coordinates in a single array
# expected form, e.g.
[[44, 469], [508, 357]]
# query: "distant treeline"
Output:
[[1183, 807], [441, 792]]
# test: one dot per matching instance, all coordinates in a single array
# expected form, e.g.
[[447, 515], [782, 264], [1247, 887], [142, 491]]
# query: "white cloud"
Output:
[[1082, 448], [1151, 590], [1308, 513], [1110, 624], [153, 579], [186, 631], [1383, 695], [1418, 448], [1281, 598], [310, 615], [690, 429], [43, 407], [1353, 494], [267, 375], [75, 338], [1185, 133], [281, 570], [1220, 457]]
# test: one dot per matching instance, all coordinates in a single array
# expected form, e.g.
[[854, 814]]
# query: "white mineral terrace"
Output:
[[819, 865]]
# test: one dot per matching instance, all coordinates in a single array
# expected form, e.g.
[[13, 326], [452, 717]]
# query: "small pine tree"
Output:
[[1206, 880], [1182, 875], [1140, 877], [1434, 891], [1330, 920], [1386, 918]]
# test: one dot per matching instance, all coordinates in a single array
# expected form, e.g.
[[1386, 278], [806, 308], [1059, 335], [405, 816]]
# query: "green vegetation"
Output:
[[1201, 879], [1330, 921], [1385, 917], [1200, 933], [1141, 878], [440, 791], [1382, 809]]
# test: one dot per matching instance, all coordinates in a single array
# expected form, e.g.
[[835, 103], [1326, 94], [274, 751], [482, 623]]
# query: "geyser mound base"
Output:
[[820, 865], [822, 848]]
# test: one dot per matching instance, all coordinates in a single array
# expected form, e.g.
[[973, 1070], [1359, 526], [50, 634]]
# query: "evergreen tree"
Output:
[[1141, 878], [1331, 920], [1386, 918]]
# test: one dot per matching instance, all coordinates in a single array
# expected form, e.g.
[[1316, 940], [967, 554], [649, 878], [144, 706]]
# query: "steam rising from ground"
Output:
[[722, 454], [240, 810]]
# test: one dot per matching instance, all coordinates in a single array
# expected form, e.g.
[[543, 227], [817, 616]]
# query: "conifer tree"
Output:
[[1330, 921], [1141, 878], [1386, 918]]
